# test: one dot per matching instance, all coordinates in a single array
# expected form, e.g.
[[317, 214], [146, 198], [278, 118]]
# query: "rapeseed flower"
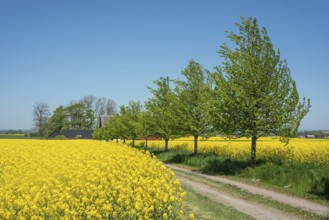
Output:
[[43, 179], [298, 150]]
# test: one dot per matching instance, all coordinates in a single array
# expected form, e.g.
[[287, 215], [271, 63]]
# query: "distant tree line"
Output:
[[78, 115], [317, 134], [12, 131], [251, 94]]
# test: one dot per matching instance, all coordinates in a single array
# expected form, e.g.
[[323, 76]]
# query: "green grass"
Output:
[[305, 180], [302, 179], [16, 136]]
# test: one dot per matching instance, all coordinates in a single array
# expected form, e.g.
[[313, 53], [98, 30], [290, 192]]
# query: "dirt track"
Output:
[[257, 210]]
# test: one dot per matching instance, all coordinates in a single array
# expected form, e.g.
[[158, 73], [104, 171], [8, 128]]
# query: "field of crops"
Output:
[[84, 180], [299, 150], [12, 136]]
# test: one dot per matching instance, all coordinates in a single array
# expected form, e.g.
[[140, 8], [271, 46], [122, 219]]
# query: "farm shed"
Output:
[[72, 134], [103, 119]]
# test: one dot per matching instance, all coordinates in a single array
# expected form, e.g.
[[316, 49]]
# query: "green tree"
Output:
[[89, 121], [100, 134], [131, 116], [145, 127], [163, 112], [120, 126], [79, 116], [58, 120], [114, 129], [195, 102], [74, 116], [254, 94]]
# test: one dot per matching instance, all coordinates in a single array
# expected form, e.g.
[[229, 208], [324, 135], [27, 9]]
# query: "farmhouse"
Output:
[[72, 134], [103, 119]]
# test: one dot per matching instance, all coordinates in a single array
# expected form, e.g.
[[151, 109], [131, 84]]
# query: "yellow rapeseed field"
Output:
[[299, 150], [42, 179]]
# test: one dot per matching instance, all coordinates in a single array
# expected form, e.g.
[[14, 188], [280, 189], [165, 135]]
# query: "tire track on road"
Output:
[[304, 204]]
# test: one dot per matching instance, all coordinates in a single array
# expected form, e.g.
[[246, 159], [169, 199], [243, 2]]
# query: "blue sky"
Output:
[[58, 51]]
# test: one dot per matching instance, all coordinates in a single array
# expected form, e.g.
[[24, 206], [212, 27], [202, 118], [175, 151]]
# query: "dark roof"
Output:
[[72, 134]]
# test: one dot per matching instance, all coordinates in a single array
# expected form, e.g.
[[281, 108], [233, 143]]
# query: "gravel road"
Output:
[[258, 211]]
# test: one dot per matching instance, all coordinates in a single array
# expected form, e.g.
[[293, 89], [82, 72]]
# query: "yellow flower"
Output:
[[268, 149], [84, 179], [138, 205]]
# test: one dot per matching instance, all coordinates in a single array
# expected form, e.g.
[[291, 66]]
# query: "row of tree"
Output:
[[78, 115], [172, 112], [251, 94]]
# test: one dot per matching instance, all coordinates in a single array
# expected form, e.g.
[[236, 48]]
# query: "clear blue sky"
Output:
[[58, 51]]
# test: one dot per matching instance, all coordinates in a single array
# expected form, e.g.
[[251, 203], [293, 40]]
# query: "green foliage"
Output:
[[79, 116], [317, 134], [100, 134], [254, 93], [164, 114], [131, 118], [58, 120], [126, 124], [32, 135], [194, 96], [19, 136], [60, 137], [145, 128], [114, 129], [75, 116], [300, 178]]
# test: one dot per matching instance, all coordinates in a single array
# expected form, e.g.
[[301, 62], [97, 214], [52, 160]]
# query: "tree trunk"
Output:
[[124, 140], [253, 152], [196, 145], [146, 143], [117, 140], [133, 142], [166, 144]]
